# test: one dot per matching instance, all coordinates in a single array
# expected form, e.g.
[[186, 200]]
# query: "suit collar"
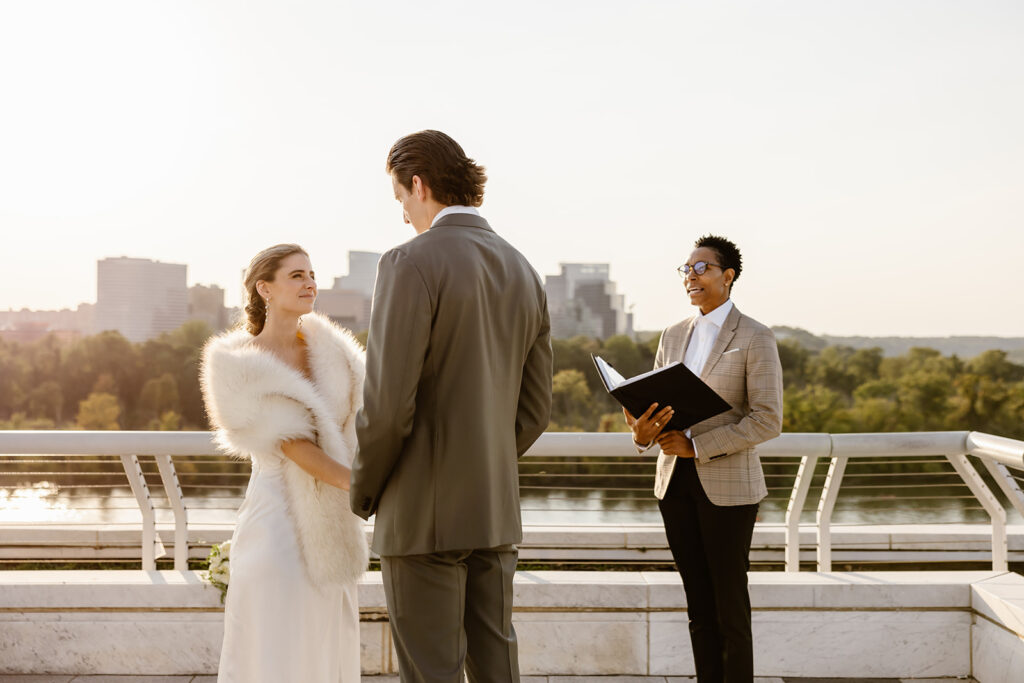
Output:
[[732, 319], [718, 316], [462, 220]]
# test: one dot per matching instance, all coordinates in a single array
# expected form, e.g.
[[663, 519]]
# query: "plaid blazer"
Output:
[[744, 368]]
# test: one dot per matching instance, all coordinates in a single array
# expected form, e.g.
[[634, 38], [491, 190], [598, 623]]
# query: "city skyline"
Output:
[[865, 157], [141, 298], [347, 302]]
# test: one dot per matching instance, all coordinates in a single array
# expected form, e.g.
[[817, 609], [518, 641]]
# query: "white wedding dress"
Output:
[[279, 627]]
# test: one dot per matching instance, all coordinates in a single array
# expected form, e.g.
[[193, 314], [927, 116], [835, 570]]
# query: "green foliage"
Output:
[[46, 400], [99, 411], [106, 380], [153, 385], [612, 422], [827, 388], [159, 395], [169, 421], [23, 421], [839, 389], [571, 400]]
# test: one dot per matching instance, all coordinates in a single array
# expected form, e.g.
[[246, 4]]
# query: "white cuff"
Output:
[[642, 448]]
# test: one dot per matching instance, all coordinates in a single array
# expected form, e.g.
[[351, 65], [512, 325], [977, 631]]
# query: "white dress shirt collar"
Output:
[[456, 208], [716, 317]]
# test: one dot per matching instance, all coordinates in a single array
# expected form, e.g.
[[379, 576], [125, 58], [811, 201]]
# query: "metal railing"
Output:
[[1002, 458]]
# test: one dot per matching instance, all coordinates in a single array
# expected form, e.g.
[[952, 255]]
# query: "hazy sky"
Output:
[[868, 157]]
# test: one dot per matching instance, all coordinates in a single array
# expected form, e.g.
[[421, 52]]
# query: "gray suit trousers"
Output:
[[450, 612]]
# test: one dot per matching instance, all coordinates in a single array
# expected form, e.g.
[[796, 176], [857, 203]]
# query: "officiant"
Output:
[[709, 480]]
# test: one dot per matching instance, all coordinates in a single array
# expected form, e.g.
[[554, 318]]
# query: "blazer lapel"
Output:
[[687, 337], [725, 336]]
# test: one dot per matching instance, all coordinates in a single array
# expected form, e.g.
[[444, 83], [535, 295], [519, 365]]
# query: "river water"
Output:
[[562, 491]]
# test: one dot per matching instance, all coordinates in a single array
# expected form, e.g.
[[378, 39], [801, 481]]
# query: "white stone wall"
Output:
[[881, 624]]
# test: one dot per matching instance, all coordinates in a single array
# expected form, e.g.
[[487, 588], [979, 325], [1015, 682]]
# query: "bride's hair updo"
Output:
[[262, 267]]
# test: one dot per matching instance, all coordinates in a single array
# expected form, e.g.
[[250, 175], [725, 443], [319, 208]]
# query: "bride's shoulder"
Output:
[[326, 337], [226, 344], [231, 362]]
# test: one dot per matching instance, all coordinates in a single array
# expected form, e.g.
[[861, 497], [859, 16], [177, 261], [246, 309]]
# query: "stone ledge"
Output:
[[1001, 600], [562, 590], [610, 541]]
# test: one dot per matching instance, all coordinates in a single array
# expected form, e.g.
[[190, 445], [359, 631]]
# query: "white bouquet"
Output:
[[220, 567]]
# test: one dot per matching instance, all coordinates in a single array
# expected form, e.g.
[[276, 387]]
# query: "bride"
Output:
[[284, 392]]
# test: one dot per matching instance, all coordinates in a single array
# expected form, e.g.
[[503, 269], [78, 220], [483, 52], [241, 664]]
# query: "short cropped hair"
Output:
[[453, 178], [727, 251]]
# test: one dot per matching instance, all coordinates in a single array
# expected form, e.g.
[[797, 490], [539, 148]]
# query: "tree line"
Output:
[[106, 382]]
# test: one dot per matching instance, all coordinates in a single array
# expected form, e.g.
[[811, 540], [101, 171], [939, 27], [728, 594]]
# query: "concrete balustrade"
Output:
[[863, 625], [862, 543], [996, 453], [877, 624]]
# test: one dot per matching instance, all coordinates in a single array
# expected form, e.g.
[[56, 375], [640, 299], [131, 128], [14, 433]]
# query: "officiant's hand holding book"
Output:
[[650, 424], [673, 386]]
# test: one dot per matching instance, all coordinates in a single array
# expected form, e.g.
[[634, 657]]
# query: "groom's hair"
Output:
[[728, 254], [453, 178]]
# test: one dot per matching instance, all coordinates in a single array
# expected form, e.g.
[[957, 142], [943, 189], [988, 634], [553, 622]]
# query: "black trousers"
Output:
[[711, 547]]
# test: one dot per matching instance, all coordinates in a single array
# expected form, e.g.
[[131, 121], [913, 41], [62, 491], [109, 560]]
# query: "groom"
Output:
[[458, 386]]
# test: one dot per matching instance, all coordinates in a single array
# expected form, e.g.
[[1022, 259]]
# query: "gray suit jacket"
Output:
[[745, 370], [458, 386]]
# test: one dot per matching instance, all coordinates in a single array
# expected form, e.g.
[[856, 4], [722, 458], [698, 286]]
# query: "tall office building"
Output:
[[582, 300], [206, 303], [347, 307], [348, 301], [362, 272], [140, 298]]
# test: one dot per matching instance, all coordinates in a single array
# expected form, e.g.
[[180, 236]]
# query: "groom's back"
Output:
[[455, 482]]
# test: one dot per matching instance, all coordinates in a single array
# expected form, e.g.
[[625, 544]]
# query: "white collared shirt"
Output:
[[705, 333], [455, 208]]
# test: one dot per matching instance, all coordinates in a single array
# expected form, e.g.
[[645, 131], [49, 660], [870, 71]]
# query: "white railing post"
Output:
[[1006, 482], [169, 478], [992, 506], [829, 494], [138, 483], [797, 498]]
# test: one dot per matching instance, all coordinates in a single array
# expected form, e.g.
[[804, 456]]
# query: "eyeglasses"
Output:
[[699, 267]]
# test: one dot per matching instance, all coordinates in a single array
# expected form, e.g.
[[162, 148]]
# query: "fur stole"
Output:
[[255, 401]]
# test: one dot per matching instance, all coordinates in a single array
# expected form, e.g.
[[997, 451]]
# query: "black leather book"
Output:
[[673, 385]]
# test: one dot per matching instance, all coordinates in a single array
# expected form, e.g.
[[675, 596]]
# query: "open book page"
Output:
[[610, 375], [645, 374]]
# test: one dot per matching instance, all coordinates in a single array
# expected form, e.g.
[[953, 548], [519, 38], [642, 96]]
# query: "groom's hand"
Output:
[[675, 443]]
